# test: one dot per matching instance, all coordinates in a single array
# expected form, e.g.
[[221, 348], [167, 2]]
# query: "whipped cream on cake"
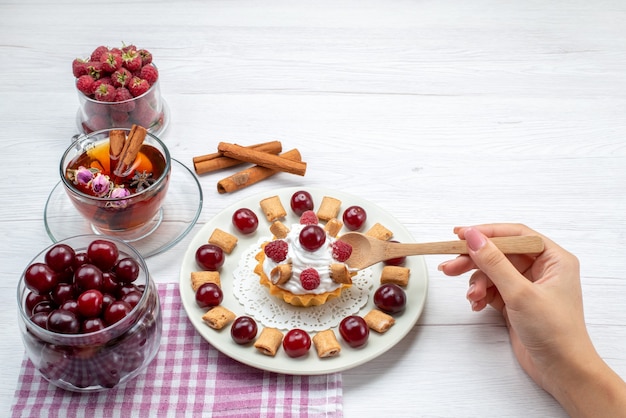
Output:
[[304, 264], [301, 259]]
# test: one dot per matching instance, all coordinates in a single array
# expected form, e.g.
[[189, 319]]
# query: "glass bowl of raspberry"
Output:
[[117, 180], [119, 87], [89, 313]]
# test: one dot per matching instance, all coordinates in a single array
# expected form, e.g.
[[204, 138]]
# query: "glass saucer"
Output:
[[180, 211]]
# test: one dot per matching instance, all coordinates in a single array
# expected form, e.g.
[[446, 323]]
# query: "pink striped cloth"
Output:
[[187, 378]]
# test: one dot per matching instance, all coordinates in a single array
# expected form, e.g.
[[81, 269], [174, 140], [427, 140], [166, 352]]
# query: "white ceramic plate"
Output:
[[310, 364]]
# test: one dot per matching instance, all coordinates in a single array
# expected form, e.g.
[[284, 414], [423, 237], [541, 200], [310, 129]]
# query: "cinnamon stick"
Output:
[[117, 138], [263, 159], [216, 161], [253, 175], [131, 149]]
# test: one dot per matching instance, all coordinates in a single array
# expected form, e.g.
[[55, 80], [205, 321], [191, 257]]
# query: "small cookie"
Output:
[[273, 208], [281, 273], [224, 240], [329, 208], [218, 317], [269, 341], [333, 226], [380, 232], [339, 273], [395, 274], [379, 321], [326, 344], [279, 229], [198, 278]]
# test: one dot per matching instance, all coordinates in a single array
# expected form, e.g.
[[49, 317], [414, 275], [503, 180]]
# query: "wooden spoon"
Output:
[[367, 251]]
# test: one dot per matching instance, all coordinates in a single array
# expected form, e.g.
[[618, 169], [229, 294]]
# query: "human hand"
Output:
[[539, 295], [540, 298]]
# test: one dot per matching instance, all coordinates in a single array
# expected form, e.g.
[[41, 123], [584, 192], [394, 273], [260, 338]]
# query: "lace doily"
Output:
[[273, 312]]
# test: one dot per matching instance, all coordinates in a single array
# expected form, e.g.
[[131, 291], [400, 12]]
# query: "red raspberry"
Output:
[[104, 93], [123, 95], [138, 86], [309, 218], [100, 81], [121, 77], [79, 67], [110, 62], [277, 250], [96, 123], [341, 251], [146, 56], [120, 119], [143, 115], [149, 73], [131, 60], [97, 53], [94, 69], [94, 108], [309, 278], [126, 48], [85, 84]]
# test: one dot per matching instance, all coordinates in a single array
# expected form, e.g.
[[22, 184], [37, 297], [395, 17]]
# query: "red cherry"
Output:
[[301, 201], [103, 253], [80, 259], [126, 270], [210, 257], [92, 325], [116, 312], [109, 283], [245, 220], [88, 277], [70, 305], [312, 237], [63, 322], [40, 319], [107, 299], [62, 292], [390, 298], [243, 330], [45, 306], [296, 343], [90, 303], [354, 330], [32, 299], [209, 295], [60, 257], [132, 298], [354, 217], [40, 278]]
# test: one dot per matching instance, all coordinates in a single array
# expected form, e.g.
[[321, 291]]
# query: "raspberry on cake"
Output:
[[309, 218], [276, 250]]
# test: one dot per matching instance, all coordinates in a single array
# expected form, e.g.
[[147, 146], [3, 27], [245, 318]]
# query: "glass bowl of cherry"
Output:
[[89, 313]]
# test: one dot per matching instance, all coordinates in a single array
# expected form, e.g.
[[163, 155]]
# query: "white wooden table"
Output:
[[441, 112]]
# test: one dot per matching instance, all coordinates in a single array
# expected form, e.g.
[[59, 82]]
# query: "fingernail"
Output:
[[442, 265], [474, 305], [470, 290], [475, 240]]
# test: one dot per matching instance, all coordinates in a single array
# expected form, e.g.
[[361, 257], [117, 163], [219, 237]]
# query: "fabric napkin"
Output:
[[188, 378]]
